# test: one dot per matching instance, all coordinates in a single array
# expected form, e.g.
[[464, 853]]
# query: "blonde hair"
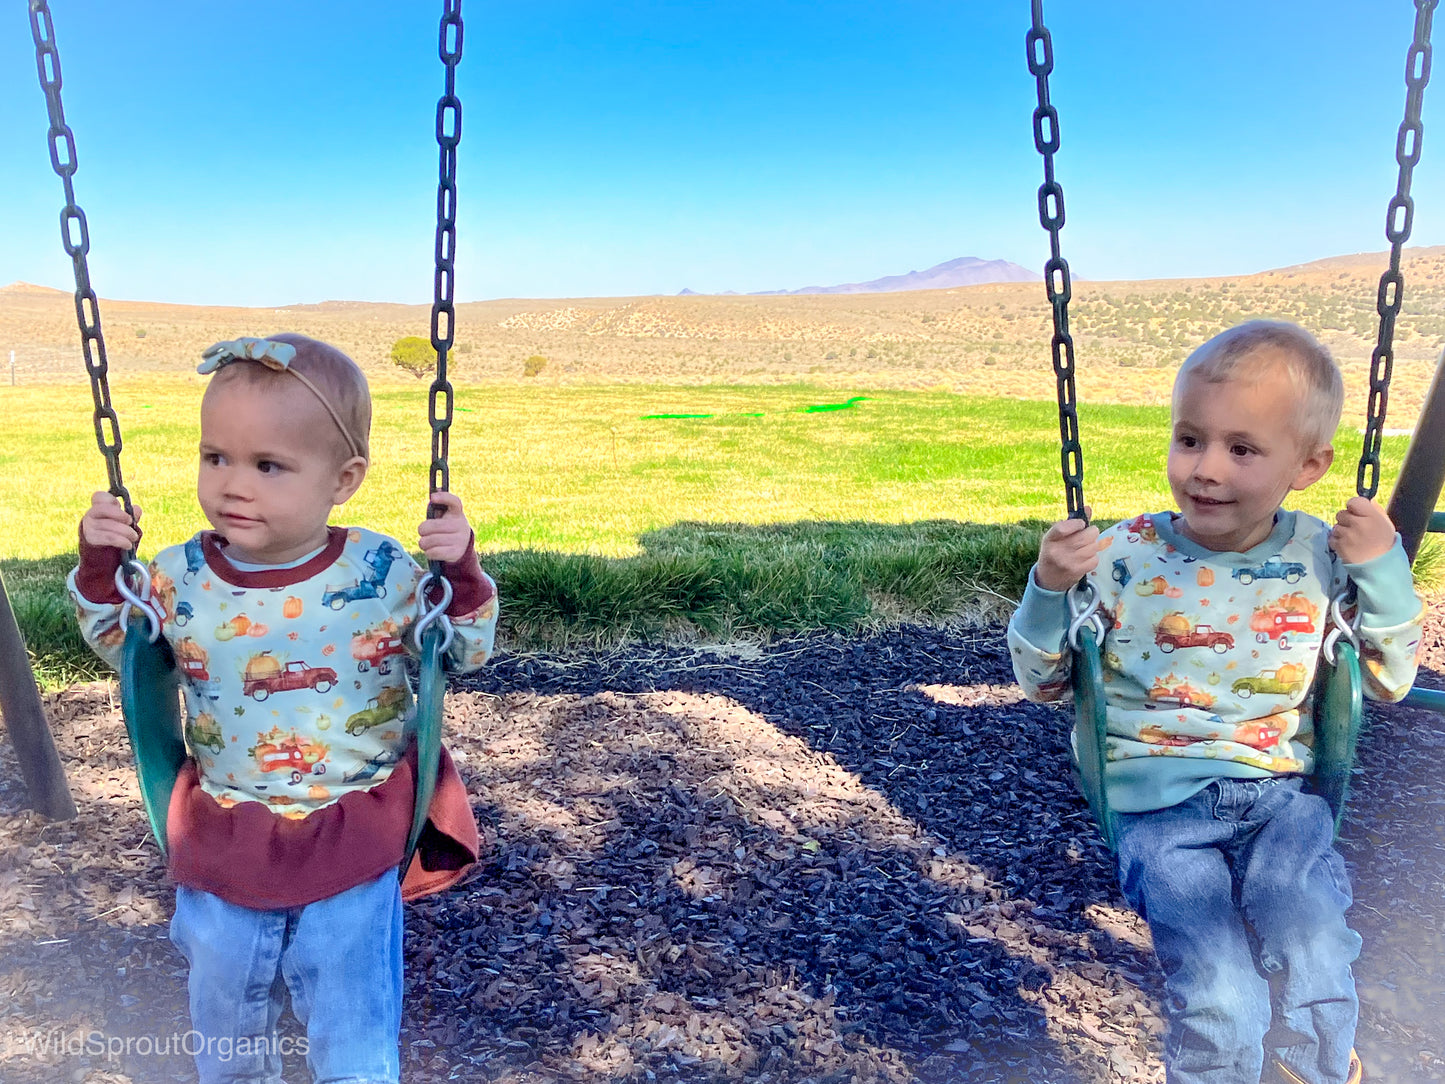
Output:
[[1240, 354], [337, 379]]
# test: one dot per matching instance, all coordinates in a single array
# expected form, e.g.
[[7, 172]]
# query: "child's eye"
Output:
[[210, 459], [1186, 441], [266, 466], [1241, 450]]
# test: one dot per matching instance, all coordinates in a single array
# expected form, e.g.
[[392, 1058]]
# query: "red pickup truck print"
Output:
[[265, 675], [374, 648], [294, 755], [1199, 636], [1283, 619]]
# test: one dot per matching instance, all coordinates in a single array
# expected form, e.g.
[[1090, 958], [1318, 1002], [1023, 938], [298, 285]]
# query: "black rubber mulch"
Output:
[[828, 859]]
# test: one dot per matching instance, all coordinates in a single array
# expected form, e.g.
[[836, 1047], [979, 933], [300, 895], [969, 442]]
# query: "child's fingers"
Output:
[[449, 502]]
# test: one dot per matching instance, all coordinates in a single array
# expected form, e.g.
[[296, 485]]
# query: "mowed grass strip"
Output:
[[760, 515]]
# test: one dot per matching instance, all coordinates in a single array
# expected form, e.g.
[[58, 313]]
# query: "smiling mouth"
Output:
[[1209, 502]]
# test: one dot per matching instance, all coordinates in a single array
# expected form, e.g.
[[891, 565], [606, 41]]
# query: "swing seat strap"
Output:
[[151, 703], [1090, 732], [430, 697], [1339, 709]]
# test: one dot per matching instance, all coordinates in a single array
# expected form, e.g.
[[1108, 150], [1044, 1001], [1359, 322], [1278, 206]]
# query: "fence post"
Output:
[[25, 720]]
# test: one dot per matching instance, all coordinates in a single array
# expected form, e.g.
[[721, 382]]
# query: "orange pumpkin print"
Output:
[[291, 607], [1205, 577], [329, 649], [241, 623]]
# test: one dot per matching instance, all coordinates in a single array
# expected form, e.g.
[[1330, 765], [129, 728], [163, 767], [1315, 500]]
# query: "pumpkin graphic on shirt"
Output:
[[1157, 585]]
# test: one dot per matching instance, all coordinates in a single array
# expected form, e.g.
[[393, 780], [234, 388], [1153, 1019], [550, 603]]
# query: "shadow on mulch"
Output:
[[940, 943]]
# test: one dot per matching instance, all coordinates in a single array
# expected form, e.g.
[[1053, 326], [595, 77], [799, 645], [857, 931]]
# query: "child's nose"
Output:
[[1210, 463]]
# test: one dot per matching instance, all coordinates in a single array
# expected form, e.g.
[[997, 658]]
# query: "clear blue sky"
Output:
[[268, 152]]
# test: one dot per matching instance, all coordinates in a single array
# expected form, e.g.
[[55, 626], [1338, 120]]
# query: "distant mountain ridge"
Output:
[[964, 271]]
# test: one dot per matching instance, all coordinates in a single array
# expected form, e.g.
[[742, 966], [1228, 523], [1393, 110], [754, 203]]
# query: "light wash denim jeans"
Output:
[[1245, 897], [340, 958]]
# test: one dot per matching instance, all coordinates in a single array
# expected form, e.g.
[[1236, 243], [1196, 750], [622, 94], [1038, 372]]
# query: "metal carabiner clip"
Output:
[[137, 600], [1084, 609], [435, 613], [1341, 627]]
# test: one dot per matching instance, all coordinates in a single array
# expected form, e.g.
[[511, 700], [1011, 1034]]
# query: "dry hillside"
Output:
[[981, 339]]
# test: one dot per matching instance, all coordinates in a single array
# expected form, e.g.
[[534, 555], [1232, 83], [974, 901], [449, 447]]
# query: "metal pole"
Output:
[[1422, 474], [25, 720]]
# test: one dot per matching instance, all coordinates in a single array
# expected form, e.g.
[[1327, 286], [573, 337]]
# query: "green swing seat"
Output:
[[150, 700], [1339, 710]]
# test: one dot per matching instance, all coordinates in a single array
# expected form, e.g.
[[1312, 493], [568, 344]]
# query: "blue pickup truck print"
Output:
[[1276, 568]]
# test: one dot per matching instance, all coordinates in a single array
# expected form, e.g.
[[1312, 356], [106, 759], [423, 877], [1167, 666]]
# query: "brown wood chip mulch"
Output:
[[820, 860]]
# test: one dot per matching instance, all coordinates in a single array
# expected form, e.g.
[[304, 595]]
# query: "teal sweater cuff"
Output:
[[1386, 589], [1042, 618]]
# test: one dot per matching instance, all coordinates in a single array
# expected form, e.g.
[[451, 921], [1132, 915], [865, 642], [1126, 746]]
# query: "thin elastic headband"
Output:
[[274, 355]]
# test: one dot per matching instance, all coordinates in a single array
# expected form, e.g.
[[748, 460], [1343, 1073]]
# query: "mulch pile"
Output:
[[824, 859]]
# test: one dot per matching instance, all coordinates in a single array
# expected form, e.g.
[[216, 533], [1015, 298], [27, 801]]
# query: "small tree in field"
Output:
[[414, 354], [534, 365]]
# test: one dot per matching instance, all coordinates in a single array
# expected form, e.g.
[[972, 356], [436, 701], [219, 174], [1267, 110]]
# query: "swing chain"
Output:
[[443, 312], [1056, 270], [75, 236], [1398, 221]]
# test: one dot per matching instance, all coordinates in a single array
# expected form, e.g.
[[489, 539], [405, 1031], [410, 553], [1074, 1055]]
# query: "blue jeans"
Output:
[[1245, 897], [341, 959]]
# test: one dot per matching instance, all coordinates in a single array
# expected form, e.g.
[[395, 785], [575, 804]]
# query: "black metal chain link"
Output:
[[1056, 270], [75, 236], [443, 313], [1398, 221]]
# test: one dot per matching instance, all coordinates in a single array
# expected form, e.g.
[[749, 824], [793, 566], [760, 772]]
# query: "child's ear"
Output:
[[349, 477], [1314, 467]]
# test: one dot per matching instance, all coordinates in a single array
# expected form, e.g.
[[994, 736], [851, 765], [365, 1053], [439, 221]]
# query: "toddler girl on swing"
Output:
[[289, 820]]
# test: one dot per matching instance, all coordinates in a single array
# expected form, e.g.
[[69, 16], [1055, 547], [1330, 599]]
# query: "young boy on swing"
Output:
[[1215, 619], [289, 820]]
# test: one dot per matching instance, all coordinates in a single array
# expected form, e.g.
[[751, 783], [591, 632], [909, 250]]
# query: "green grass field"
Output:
[[761, 512]]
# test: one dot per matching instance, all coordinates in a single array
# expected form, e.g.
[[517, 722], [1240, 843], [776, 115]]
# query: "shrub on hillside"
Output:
[[414, 354], [534, 365]]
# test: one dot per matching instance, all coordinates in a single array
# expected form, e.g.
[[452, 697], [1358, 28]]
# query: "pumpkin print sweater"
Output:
[[294, 677], [1209, 657]]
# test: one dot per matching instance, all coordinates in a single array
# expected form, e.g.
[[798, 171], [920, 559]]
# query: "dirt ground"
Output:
[[823, 859]]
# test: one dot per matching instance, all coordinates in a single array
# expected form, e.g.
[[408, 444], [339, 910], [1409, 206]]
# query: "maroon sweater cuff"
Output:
[[471, 590], [95, 575]]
